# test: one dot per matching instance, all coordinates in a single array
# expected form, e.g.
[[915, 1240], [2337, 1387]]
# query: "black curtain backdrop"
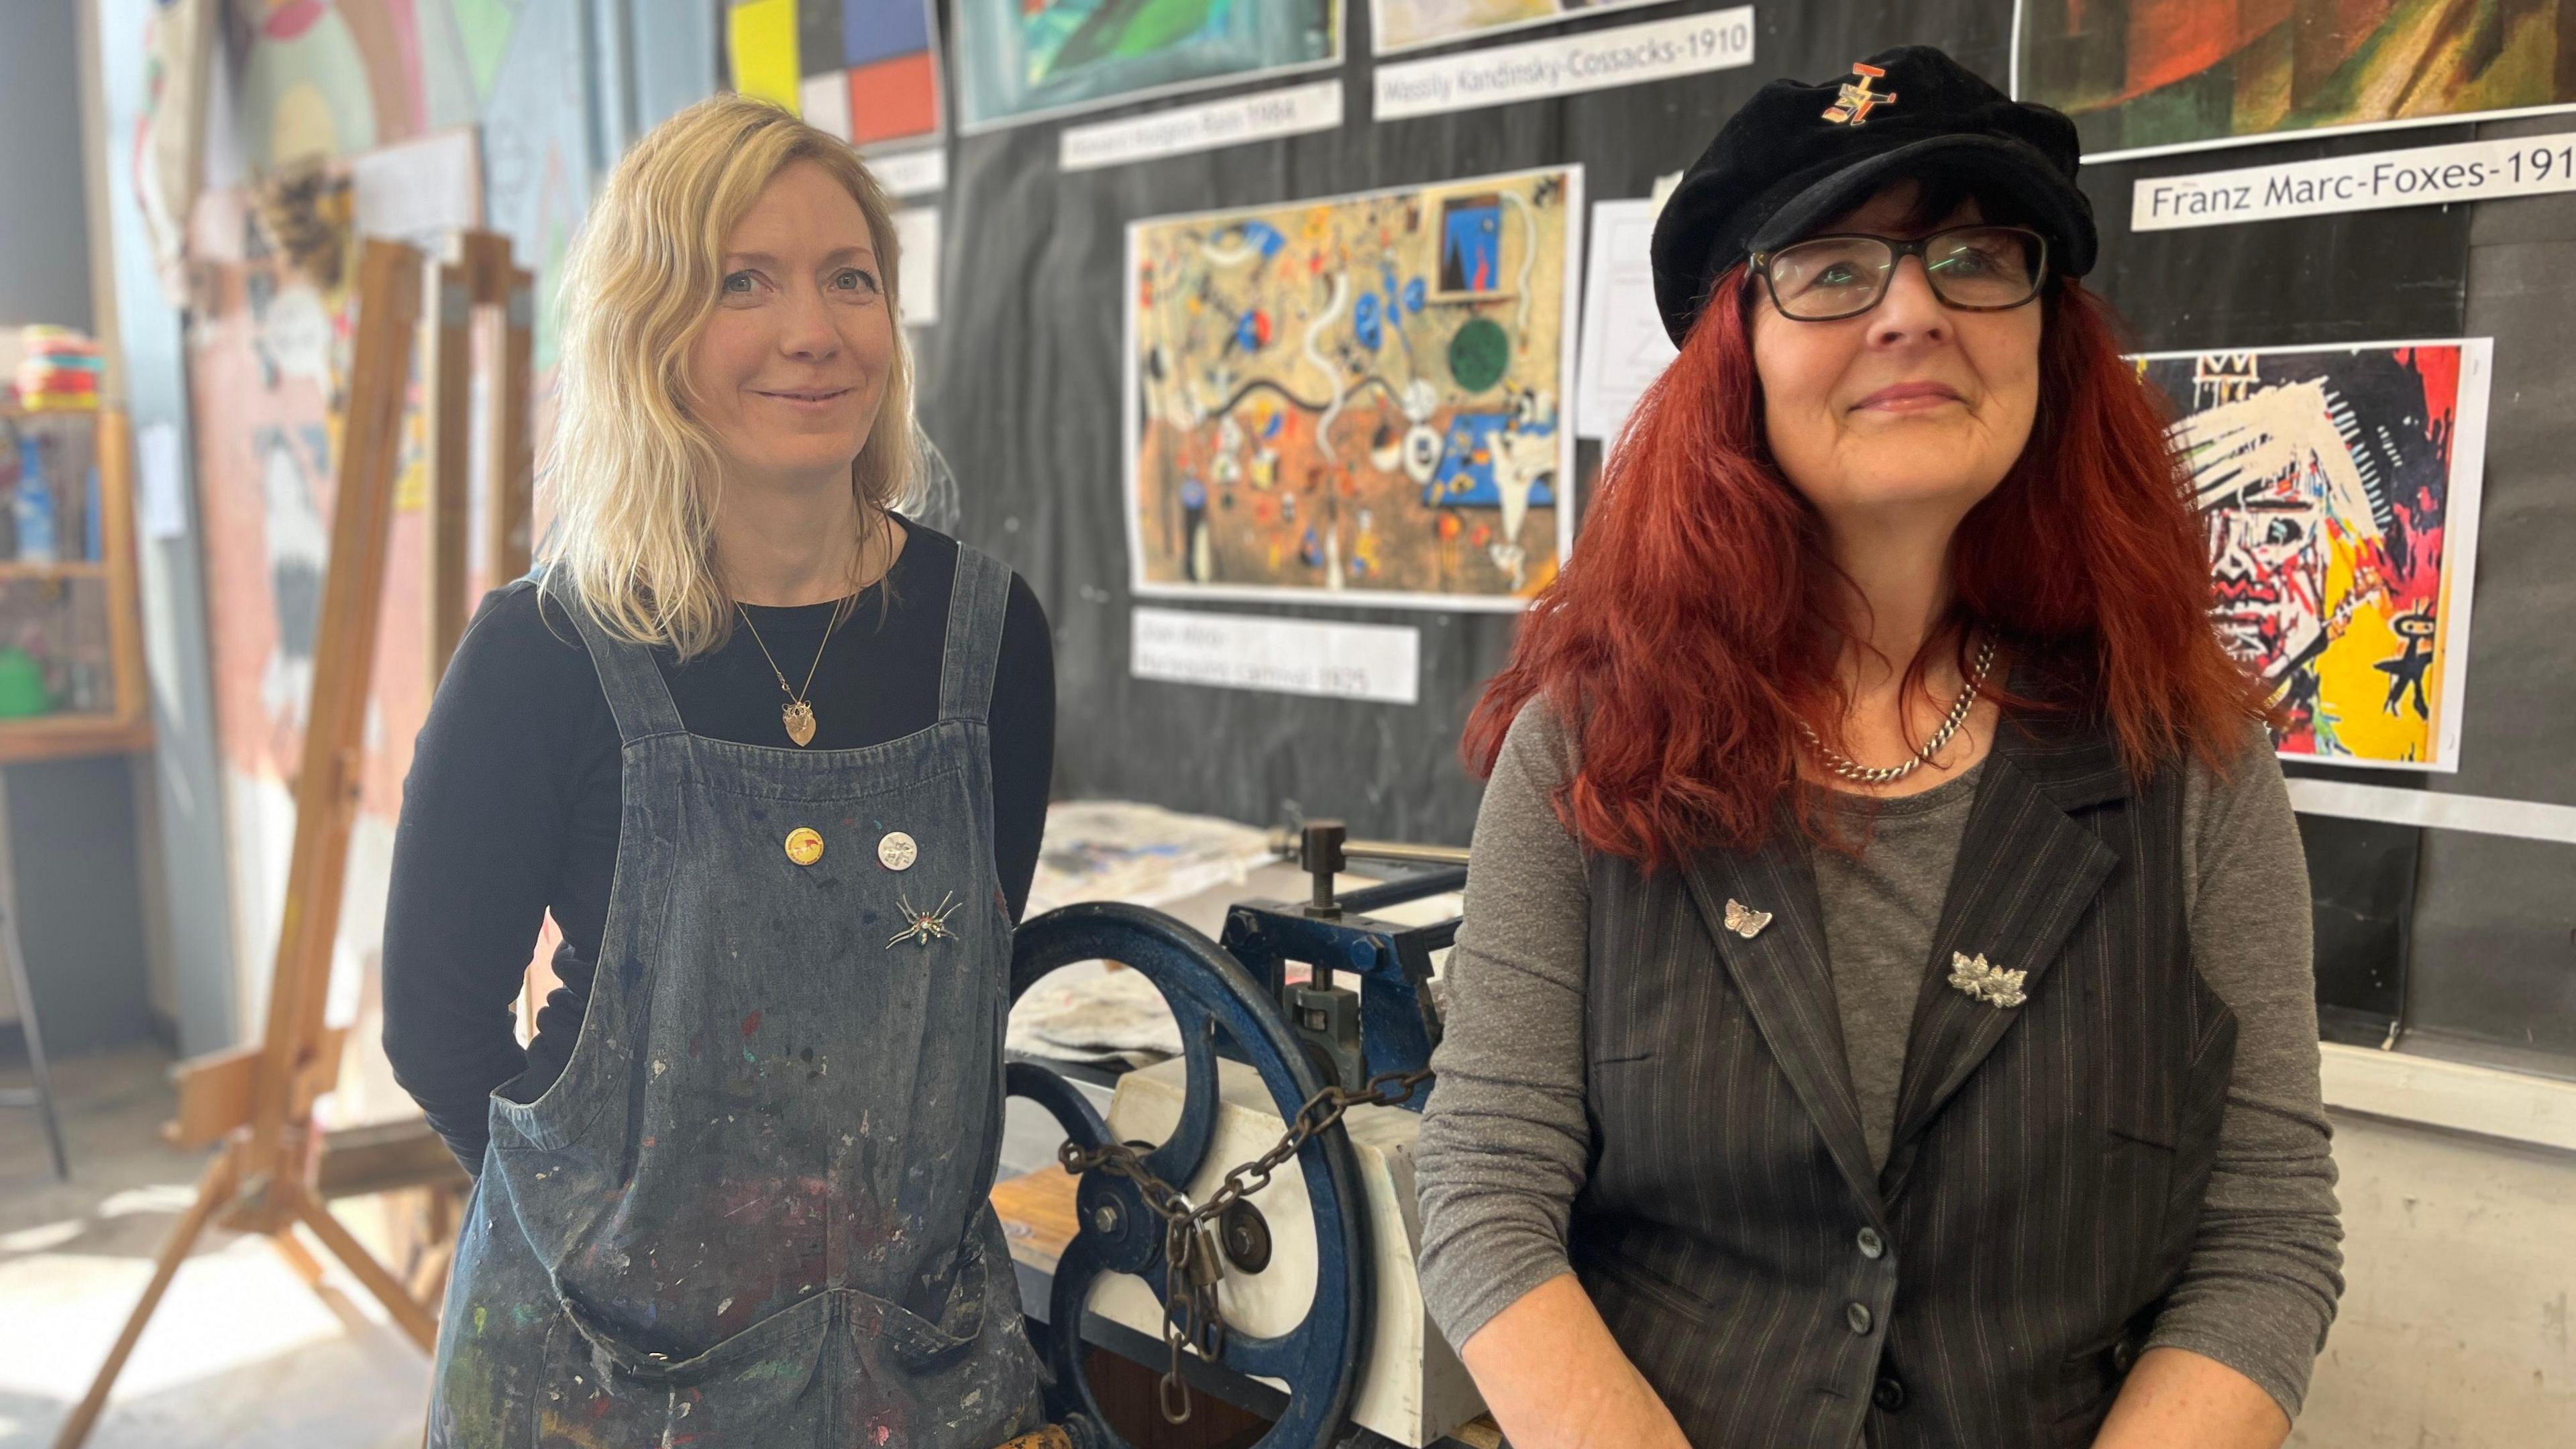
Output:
[[1022, 391]]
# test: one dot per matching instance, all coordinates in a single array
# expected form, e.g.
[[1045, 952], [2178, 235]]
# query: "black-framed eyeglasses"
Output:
[[1972, 268]]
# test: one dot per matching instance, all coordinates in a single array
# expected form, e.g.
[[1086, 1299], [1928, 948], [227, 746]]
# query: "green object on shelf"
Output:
[[22, 685]]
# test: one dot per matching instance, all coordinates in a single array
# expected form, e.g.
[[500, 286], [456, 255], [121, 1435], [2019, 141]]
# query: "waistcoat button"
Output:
[[1872, 1246], [1857, 1315], [1890, 1393]]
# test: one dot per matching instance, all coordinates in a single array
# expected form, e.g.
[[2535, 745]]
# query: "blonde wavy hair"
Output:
[[634, 479]]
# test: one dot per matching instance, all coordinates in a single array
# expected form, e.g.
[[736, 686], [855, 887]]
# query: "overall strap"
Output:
[[974, 645], [637, 693]]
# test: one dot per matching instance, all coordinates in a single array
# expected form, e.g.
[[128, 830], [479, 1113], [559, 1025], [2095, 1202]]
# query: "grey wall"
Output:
[[44, 244], [72, 858], [185, 794], [70, 824]]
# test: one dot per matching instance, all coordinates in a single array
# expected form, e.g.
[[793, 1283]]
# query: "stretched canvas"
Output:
[[1357, 399], [2145, 76], [1019, 60], [1398, 25], [2339, 487]]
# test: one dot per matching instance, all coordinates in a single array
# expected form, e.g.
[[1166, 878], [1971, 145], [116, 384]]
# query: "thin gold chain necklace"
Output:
[[798, 713]]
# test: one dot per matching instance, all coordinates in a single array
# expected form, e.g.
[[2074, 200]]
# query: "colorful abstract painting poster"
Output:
[[1356, 400], [2142, 77], [2339, 487], [1400, 25], [869, 70], [1024, 60]]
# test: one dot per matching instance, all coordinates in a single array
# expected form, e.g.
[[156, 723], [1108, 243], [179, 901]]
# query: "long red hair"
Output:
[[1700, 618]]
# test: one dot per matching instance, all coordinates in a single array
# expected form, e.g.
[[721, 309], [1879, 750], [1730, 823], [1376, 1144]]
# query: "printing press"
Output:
[[1231, 1257]]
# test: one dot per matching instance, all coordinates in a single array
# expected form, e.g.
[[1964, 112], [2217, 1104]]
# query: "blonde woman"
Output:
[[775, 760]]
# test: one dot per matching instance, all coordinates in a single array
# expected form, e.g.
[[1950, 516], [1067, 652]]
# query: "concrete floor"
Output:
[[241, 1351], [2453, 1333]]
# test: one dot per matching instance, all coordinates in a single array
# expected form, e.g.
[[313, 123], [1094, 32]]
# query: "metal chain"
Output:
[[1853, 770], [1191, 1266]]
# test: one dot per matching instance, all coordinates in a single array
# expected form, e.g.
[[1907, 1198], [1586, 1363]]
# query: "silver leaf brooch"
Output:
[[1984, 982]]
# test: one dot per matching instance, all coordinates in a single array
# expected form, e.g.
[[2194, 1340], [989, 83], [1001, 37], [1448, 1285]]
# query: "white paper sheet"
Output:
[[1624, 346]]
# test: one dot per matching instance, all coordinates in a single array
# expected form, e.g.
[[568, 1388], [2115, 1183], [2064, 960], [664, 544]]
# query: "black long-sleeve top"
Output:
[[511, 808]]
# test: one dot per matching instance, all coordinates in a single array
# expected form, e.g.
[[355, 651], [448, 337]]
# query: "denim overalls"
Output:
[[752, 1211]]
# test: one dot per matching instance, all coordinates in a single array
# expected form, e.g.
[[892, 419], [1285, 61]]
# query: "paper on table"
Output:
[[1624, 346]]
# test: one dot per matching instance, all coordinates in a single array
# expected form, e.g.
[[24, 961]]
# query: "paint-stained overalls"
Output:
[[752, 1211]]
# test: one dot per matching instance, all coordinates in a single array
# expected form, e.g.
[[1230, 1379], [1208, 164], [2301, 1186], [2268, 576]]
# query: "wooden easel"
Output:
[[274, 1168], [481, 276]]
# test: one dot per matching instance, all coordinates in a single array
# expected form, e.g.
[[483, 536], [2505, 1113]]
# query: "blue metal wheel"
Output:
[[1118, 1233]]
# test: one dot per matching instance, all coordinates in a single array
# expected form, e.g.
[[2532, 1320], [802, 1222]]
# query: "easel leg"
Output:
[[214, 1190], [429, 1275], [406, 1310], [297, 1256]]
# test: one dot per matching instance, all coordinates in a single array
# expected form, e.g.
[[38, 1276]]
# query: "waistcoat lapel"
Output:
[[1787, 984], [2027, 871]]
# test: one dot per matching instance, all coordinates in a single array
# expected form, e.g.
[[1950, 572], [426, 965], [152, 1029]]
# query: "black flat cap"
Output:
[[1798, 155]]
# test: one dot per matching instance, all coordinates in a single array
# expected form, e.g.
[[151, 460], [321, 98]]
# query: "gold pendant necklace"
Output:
[[798, 713]]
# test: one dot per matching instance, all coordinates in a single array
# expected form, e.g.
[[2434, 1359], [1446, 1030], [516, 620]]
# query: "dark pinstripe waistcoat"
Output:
[[1986, 1289]]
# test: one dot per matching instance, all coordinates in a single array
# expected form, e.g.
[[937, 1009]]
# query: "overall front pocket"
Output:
[[754, 1387]]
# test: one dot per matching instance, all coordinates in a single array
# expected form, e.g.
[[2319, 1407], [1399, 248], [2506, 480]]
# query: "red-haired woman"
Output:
[[1883, 1013]]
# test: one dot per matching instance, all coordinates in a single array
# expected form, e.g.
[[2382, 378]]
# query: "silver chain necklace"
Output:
[[1850, 769]]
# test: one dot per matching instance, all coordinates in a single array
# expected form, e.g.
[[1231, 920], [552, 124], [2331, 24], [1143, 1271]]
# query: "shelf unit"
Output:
[[125, 727]]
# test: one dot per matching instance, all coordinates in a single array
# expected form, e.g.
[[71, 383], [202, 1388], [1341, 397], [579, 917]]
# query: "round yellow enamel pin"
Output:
[[804, 845]]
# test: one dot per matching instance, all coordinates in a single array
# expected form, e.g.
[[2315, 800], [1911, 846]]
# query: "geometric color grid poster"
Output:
[[2148, 76], [1358, 399], [1018, 60], [869, 69], [1411, 24], [2339, 486]]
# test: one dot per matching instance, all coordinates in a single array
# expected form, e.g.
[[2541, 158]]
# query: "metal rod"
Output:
[[1414, 888], [1286, 844]]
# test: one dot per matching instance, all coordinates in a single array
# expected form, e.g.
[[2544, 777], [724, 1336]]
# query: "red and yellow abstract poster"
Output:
[[2340, 490]]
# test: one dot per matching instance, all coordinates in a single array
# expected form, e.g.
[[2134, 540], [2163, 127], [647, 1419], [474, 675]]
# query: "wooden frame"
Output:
[[483, 277], [127, 728]]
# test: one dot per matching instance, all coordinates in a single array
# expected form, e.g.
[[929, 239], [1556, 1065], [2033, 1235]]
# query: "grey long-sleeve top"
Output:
[[1506, 1142]]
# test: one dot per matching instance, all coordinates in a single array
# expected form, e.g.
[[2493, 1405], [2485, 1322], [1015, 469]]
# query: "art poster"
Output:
[[1357, 399], [1399, 25], [2148, 76], [1020, 60], [2339, 486], [310, 79], [869, 70]]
